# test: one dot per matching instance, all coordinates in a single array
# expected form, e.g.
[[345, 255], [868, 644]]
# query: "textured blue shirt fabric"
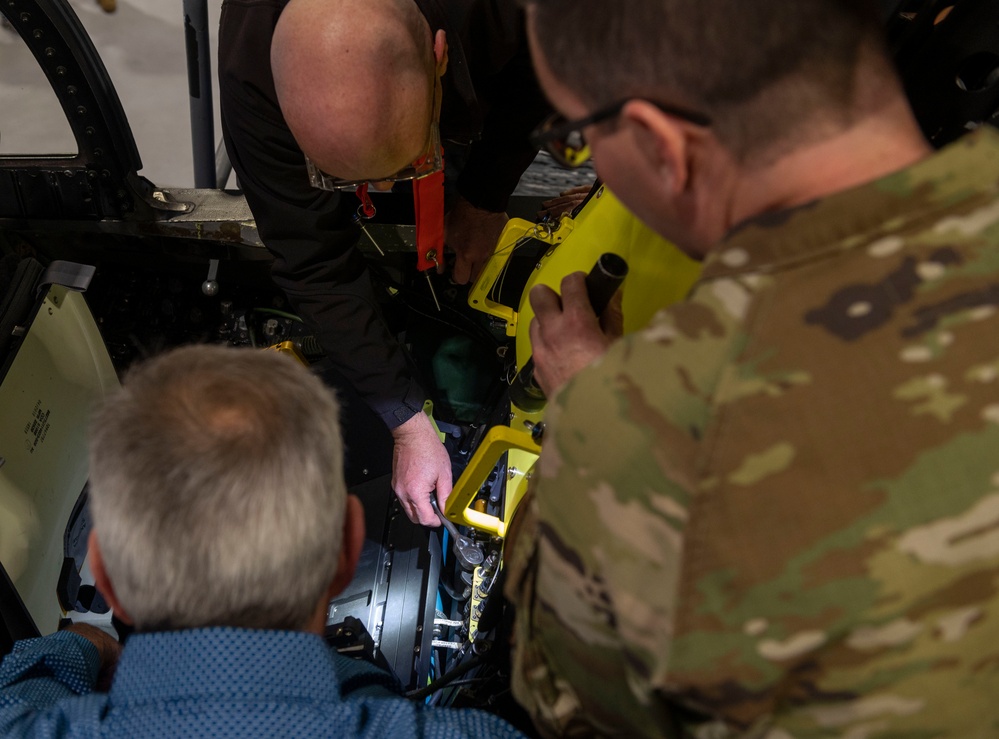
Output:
[[219, 682]]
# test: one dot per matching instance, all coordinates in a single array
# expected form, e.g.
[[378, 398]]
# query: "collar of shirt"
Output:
[[967, 170], [224, 663]]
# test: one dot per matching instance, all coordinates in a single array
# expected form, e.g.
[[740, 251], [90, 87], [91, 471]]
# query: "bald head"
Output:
[[354, 79]]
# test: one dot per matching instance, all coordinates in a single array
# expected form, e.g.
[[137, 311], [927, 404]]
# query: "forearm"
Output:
[[342, 311]]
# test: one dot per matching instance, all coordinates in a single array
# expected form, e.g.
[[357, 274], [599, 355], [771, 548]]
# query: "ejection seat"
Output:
[[53, 368]]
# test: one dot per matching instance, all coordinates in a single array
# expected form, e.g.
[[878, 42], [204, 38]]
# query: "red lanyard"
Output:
[[428, 203]]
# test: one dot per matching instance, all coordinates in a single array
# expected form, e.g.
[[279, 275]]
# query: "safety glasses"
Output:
[[431, 162], [564, 139]]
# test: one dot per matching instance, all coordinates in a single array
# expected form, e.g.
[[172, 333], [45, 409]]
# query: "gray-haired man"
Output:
[[222, 528]]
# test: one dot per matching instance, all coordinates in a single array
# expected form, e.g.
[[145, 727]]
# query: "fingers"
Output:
[[462, 269], [467, 268], [544, 301], [564, 202], [477, 267], [565, 333], [570, 195], [574, 296], [539, 352], [553, 203], [472, 233], [470, 260], [547, 316], [417, 505], [425, 514], [443, 492]]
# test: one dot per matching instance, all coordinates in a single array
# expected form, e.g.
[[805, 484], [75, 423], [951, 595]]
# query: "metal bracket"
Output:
[[71, 275]]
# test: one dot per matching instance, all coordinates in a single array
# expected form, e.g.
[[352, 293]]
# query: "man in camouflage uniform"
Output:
[[774, 512]]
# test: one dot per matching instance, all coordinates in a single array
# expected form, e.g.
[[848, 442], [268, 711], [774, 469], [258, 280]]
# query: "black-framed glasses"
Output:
[[564, 139]]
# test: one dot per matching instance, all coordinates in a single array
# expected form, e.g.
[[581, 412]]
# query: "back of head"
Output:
[[354, 79], [217, 490], [770, 73]]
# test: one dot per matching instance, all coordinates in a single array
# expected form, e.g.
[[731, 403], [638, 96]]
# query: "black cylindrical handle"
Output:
[[604, 280], [601, 283]]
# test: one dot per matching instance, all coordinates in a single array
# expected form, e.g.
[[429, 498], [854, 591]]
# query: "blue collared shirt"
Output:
[[218, 682]]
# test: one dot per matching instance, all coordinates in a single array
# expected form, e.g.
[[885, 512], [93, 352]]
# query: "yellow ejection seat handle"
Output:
[[497, 441]]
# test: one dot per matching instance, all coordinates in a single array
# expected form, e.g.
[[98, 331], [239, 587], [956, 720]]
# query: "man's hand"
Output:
[[557, 207], [566, 334], [420, 464], [108, 649], [472, 233]]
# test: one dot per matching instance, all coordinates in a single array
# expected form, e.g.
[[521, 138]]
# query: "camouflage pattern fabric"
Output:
[[774, 512]]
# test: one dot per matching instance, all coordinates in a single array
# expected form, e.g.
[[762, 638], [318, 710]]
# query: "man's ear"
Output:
[[350, 548], [440, 51], [665, 143], [96, 561]]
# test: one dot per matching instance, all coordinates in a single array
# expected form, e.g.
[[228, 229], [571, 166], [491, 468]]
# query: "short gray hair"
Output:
[[216, 481]]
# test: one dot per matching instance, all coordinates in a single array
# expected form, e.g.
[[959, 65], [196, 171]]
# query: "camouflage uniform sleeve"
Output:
[[594, 570], [775, 512]]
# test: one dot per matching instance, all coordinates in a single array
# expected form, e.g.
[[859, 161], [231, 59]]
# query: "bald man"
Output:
[[383, 97], [356, 85]]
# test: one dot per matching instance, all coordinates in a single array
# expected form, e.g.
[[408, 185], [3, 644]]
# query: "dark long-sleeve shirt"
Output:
[[491, 101]]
